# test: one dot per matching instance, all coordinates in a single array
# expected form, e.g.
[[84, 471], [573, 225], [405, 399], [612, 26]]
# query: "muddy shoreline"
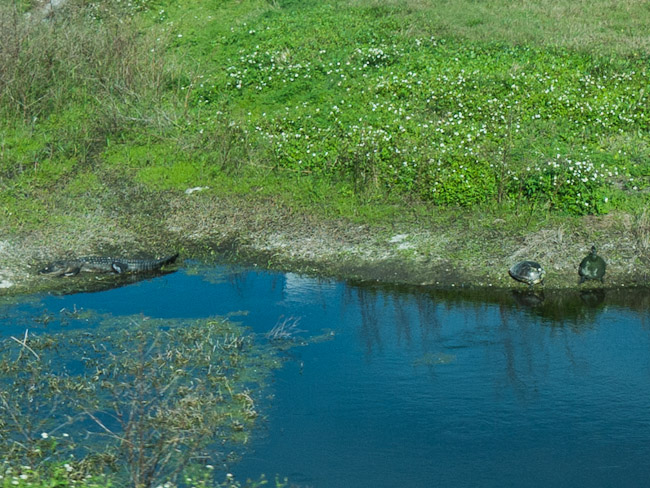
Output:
[[210, 228]]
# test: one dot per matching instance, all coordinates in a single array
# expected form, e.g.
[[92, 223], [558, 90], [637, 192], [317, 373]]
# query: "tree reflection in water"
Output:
[[512, 327]]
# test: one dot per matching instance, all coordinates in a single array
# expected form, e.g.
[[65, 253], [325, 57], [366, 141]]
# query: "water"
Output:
[[422, 387]]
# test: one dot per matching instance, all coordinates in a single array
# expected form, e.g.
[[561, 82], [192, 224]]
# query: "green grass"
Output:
[[605, 27], [451, 104], [349, 94]]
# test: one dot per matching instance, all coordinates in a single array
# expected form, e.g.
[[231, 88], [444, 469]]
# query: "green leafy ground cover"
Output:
[[380, 100], [374, 113]]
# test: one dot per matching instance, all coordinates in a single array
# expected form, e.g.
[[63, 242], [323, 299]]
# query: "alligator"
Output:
[[102, 264]]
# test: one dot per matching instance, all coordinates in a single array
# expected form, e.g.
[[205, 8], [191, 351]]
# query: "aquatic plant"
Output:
[[140, 401], [285, 330]]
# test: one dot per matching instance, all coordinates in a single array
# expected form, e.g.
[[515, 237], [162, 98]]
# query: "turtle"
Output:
[[528, 272], [592, 267]]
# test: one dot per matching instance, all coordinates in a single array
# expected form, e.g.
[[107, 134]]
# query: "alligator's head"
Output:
[[57, 268]]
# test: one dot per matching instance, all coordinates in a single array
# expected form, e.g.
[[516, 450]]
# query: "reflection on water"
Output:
[[97, 282], [529, 298], [425, 387], [593, 298]]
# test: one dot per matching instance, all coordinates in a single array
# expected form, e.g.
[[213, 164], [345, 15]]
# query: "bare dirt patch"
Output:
[[206, 226]]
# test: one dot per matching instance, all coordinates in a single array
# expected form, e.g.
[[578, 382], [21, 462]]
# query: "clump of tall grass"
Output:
[[94, 55], [285, 330], [73, 81]]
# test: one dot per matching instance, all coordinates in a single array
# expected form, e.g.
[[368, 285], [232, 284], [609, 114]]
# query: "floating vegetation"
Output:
[[434, 358], [285, 330], [140, 401]]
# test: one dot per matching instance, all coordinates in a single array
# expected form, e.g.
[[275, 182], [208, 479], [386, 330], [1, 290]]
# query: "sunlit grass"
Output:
[[602, 26], [454, 123], [518, 104]]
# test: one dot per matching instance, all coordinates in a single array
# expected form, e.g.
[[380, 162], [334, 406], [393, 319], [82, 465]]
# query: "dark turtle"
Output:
[[592, 267], [528, 272]]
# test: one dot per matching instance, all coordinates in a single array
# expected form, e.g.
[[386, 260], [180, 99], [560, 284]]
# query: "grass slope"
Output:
[[481, 128]]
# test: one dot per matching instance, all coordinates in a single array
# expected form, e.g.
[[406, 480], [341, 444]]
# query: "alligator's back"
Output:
[[141, 265], [70, 267]]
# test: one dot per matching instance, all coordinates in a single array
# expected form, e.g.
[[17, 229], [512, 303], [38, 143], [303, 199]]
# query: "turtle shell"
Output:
[[528, 272]]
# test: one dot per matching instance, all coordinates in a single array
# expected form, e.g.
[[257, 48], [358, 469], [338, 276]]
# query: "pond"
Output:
[[423, 387]]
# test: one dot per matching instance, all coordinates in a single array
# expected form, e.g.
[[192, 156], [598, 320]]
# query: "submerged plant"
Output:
[[143, 401]]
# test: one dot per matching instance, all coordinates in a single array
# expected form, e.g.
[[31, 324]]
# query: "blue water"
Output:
[[420, 388]]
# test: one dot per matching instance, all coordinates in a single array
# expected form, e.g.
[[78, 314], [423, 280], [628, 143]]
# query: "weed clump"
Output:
[[137, 401]]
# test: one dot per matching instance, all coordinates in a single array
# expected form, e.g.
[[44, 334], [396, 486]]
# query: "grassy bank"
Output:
[[431, 143], [485, 133]]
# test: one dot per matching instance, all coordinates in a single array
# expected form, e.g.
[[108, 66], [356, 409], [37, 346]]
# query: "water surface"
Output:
[[420, 387]]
